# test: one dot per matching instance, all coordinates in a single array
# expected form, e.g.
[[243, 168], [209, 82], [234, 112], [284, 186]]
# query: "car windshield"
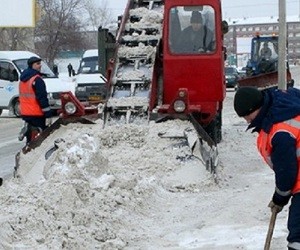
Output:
[[89, 65], [45, 70], [230, 70]]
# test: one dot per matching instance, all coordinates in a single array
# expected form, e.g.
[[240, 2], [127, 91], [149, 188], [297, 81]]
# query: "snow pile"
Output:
[[97, 187]]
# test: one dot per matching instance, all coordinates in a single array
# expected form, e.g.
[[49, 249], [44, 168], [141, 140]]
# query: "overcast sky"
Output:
[[257, 8], [231, 8]]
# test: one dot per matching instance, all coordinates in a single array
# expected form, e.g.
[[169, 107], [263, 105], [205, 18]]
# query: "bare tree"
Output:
[[59, 28], [97, 16], [16, 38], [63, 25]]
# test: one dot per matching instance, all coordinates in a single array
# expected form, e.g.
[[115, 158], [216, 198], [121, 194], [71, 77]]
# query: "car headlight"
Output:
[[179, 106], [58, 102], [81, 89], [70, 108]]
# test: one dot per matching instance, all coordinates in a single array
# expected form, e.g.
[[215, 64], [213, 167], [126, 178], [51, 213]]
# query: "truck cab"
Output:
[[12, 63], [193, 62], [264, 55], [262, 67]]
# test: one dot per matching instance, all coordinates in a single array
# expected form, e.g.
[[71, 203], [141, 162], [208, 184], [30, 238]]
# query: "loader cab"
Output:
[[264, 55], [191, 30], [193, 56]]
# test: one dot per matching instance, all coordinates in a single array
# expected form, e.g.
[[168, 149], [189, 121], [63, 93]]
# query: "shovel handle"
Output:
[[270, 230]]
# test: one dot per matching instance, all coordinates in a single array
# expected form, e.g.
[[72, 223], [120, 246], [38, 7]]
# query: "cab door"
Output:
[[198, 68], [9, 83]]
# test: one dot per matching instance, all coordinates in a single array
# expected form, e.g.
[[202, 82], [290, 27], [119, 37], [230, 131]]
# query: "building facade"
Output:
[[250, 27]]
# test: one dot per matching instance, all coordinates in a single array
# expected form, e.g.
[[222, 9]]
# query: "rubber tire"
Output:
[[214, 129], [1, 110], [16, 108]]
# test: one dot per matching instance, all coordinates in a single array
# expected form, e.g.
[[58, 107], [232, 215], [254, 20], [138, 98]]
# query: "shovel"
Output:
[[270, 230]]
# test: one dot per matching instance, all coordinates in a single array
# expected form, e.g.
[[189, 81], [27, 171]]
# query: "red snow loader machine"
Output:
[[156, 71], [159, 74]]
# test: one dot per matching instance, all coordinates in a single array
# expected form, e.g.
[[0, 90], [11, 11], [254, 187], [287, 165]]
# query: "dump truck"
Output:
[[151, 77]]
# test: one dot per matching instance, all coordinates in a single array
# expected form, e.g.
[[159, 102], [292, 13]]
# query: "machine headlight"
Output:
[[179, 106], [70, 108]]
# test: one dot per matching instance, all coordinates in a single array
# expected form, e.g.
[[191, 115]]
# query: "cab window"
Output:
[[192, 29], [89, 65], [46, 72], [8, 72]]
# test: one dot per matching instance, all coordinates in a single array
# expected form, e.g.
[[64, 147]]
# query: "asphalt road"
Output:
[[9, 143], [295, 72]]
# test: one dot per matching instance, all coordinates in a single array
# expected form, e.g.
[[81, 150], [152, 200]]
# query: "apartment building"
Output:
[[249, 27]]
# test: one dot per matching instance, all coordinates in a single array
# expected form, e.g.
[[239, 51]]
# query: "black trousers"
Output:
[[35, 126]]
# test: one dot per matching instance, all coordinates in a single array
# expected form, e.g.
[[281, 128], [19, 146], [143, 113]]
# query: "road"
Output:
[[295, 71], [9, 143], [10, 127]]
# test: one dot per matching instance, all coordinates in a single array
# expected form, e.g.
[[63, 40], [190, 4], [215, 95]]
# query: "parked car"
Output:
[[231, 76], [90, 83], [242, 72]]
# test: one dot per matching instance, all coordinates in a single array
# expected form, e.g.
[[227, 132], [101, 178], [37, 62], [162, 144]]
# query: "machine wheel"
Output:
[[1, 111], [214, 129], [16, 108]]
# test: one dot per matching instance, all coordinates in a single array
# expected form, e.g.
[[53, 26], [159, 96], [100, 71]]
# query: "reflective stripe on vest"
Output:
[[29, 105], [264, 145]]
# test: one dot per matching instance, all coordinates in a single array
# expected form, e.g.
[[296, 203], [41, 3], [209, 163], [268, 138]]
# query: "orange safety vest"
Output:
[[29, 105], [264, 145]]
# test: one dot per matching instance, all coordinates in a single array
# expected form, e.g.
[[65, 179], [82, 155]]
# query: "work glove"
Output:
[[275, 208], [278, 202]]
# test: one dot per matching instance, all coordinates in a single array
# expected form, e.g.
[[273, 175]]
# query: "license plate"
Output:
[[95, 98]]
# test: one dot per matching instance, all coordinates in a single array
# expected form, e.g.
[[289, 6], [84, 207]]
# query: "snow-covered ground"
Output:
[[62, 64], [124, 187]]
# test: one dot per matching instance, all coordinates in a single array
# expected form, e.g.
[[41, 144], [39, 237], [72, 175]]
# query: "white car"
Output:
[[90, 83], [12, 63]]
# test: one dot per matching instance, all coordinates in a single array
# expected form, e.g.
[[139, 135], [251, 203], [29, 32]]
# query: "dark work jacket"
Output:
[[191, 41], [279, 106]]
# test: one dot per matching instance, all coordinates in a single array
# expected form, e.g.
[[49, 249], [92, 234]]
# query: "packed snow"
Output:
[[124, 187]]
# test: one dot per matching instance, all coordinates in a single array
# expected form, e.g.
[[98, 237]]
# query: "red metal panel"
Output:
[[201, 74]]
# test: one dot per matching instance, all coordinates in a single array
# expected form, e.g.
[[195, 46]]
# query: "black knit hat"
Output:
[[33, 60], [247, 100], [196, 17]]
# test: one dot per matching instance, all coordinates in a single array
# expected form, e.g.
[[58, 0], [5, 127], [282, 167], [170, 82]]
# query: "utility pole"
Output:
[[282, 63]]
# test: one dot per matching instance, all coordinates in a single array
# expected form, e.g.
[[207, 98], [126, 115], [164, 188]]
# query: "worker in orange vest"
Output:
[[34, 103], [275, 115]]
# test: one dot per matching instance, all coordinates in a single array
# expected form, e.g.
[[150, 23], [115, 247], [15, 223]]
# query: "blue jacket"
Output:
[[279, 106]]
